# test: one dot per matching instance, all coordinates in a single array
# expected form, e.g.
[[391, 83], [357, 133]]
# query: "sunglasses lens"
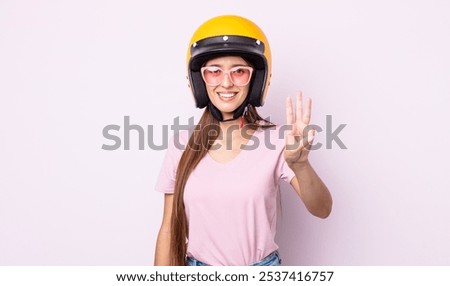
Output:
[[239, 76], [212, 75]]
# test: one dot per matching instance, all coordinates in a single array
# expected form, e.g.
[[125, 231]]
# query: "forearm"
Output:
[[162, 251], [311, 189]]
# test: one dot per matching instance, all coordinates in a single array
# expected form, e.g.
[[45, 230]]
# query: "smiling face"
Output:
[[227, 96]]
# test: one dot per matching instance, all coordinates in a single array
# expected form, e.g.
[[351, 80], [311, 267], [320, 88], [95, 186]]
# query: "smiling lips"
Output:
[[227, 95]]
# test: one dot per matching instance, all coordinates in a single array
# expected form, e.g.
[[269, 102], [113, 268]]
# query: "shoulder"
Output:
[[180, 138], [178, 141]]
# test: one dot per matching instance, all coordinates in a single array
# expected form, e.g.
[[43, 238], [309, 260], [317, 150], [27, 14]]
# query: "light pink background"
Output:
[[69, 68]]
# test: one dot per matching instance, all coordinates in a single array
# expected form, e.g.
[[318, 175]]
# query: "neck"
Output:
[[230, 123]]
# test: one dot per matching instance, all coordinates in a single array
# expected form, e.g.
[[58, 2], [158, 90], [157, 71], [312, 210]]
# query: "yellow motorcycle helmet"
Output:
[[229, 35]]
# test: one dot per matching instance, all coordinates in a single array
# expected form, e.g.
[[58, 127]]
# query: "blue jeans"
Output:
[[272, 259]]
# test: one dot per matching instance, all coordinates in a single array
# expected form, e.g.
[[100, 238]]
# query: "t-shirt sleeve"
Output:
[[166, 179]]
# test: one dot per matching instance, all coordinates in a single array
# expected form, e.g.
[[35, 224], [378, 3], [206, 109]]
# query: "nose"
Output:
[[227, 80]]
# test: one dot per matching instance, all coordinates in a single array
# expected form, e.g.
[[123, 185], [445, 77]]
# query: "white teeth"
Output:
[[227, 95]]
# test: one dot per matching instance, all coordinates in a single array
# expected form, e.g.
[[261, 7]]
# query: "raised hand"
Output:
[[300, 135]]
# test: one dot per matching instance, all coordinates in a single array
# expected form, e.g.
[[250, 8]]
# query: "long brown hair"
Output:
[[205, 133]]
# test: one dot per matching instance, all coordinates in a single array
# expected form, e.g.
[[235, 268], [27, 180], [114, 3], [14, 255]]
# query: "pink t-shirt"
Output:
[[231, 207]]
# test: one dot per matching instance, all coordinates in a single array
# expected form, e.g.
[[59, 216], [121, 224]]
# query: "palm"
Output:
[[300, 136]]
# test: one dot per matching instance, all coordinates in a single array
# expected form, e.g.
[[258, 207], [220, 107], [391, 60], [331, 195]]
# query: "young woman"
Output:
[[221, 181]]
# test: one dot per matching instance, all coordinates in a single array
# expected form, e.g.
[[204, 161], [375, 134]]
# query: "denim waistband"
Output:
[[273, 259]]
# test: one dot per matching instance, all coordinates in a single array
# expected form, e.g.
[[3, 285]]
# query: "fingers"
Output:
[[299, 112], [299, 139], [307, 114], [290, 116], [300, 118], [303, 115], [310, 136]]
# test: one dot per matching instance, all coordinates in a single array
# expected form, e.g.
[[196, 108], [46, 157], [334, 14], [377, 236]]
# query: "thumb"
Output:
[[311, 134]]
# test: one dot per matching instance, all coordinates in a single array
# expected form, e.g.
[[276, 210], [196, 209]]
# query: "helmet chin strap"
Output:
[[238, 112]]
